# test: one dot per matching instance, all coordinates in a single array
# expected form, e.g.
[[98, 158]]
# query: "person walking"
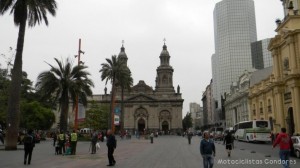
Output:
[[73, 142], [54, 136], [111, 144], [151, 137], [62, 141], [189, 136], [228, 141], [272, 136], [207, 150], [29, 144], [93, 142], [1, 136], [284, 142]]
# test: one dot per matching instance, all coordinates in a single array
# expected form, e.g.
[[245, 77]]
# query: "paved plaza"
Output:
[[165, 152]]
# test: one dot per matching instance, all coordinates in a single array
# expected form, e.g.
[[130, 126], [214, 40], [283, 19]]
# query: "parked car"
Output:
[[296, 145]]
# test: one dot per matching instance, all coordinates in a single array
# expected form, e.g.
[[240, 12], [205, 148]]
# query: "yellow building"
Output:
[[277, 98]]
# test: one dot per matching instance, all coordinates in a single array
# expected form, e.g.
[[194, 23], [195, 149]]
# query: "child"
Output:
[[57, 148], [68, 148]]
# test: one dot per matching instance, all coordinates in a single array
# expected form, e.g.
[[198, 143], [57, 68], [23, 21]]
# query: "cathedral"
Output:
[[148, 109]]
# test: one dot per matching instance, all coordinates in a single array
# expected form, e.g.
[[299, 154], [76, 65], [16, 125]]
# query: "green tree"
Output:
[[65, 83], [96, 117], [187, 121], [4, 84], [35, 116], [33, 12], [110, 71]]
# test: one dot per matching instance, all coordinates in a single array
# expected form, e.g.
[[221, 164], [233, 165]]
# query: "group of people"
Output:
[[208, 149], [65, 144]]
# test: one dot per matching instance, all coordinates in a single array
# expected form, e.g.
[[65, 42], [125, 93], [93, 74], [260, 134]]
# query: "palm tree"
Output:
[[125, 81], [111, 71], [33, 11], [65, 83]]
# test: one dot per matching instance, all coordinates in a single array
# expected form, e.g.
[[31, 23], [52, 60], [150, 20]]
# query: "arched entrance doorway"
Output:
[[165, 127], [141, 125], [290, 121]]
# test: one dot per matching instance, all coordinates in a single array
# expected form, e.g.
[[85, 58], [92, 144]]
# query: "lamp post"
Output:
[[76, 107]]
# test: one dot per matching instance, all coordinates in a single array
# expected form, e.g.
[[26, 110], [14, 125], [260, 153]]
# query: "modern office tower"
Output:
[[261, 56], [235, 30]]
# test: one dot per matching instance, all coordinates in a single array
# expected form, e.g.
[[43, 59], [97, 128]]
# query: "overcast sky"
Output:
[[187, 26]]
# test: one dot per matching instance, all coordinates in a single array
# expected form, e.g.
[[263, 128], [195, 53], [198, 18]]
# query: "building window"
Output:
[[269, 106], [261, 108]]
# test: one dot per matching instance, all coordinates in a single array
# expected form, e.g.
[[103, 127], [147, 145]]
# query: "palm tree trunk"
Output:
[[111, 117], [122, 109], [13, 112], [64, 113]]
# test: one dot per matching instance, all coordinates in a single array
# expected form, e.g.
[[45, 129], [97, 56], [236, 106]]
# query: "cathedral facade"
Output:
[[148, 109]]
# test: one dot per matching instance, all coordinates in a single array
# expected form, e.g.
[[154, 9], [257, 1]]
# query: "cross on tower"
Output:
[[164, 40], [123, 42]]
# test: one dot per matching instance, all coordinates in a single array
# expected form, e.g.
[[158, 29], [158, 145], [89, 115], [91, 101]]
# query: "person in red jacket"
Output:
[[283, 139]]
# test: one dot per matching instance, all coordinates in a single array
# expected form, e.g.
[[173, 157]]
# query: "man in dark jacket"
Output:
[[111, 146], [29, 143], [228, 141], [207, 150]]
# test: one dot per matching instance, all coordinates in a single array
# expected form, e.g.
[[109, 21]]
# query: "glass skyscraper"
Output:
[[261, 56], [235, 30]]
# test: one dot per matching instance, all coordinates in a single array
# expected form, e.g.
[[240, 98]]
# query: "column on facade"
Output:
[[292, 55], [279, 114], [296, 109], [265, 106], [275, 64]]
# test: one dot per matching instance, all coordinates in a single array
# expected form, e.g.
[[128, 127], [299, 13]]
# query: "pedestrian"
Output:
[[54, 136], [73, 142], [93, 142], [102, 136], [284, 142], [151, 137], [207, 150], [189, 136], [29, 143], [111, 144], [272, 136], [1, 136], [62, 141], [228, 141]]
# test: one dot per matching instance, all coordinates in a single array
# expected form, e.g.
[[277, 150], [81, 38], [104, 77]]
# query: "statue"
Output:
[[178, 89], [105, 90]]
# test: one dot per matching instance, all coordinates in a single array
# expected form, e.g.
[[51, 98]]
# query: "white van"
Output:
[[86, 130]]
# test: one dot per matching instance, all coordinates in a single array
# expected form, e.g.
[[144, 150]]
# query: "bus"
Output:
[[253, 131]]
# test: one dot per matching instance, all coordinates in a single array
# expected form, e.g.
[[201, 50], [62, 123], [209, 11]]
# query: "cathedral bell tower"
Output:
[[164, 77], [122, 55]]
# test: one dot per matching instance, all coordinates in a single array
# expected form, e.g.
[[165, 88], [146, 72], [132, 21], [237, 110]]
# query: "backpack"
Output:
[[28, 140]]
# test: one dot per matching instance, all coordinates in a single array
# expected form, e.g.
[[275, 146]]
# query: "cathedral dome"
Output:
[[164, 51], [122, 53]]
